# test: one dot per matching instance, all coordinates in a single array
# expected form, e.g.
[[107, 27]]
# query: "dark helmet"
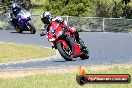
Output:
[[15, 8], [46, 17]]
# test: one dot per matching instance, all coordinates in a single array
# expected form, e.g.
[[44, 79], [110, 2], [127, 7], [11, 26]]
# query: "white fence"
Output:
[[92, 24]]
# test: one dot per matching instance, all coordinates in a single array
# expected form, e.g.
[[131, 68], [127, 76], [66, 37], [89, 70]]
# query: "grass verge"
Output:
[[38, 6], [65, 80], [11, 52]]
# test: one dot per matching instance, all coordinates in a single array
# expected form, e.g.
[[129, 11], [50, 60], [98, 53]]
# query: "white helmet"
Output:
[[46, 17]]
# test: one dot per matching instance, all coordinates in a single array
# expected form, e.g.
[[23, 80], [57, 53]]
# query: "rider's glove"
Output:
[[42, 34]]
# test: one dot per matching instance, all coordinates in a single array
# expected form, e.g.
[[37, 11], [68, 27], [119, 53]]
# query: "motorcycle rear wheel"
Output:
[[31, 28], [18, 30], [63, 53], [85, 56]]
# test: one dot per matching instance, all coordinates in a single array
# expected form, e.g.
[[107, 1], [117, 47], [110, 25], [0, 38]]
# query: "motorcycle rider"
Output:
[[15, 10], [47, 18]]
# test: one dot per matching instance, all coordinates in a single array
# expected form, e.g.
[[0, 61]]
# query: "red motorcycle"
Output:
[[65, 42]]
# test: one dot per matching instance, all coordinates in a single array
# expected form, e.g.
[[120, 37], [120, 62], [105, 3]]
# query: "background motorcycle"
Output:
[[23, 22], [65, 43]]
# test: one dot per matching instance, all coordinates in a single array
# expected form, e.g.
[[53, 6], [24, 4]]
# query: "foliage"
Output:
[[70, 7], [98, 8], [125, 1], [127, 12], [102, 9], [114, 9], [5, 4], [117, 10]]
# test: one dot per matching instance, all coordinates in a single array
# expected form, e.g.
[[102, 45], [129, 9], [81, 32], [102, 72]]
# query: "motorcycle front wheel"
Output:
[[31, 27], [63, 53]]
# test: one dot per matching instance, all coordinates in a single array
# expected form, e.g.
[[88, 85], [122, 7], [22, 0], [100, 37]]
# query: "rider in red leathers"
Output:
[[47, 18]]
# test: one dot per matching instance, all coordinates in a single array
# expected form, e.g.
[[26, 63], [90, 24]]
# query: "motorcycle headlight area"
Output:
[[52, 39], [52, 31], [26, 14]]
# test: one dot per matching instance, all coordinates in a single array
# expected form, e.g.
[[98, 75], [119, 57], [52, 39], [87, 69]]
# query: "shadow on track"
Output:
[[21, 33], [64, 61], [75, 59]]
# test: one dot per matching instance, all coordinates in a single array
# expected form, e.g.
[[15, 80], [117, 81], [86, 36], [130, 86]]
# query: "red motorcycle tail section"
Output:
[[77, 52], [64, 43]]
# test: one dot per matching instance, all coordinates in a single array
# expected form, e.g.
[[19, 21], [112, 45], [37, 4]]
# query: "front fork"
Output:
[[27, 22]]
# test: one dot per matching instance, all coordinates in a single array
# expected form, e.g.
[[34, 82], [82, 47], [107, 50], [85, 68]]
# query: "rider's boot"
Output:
[[79, 41]]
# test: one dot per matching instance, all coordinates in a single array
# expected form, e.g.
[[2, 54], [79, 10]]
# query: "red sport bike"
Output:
[[65, 42]]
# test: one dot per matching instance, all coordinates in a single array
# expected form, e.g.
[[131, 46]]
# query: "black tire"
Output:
[[18, 30], [63, 53], [31, 27], [85, 56]]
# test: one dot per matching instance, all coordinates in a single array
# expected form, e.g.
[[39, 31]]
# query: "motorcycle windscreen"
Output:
[[57, 28]]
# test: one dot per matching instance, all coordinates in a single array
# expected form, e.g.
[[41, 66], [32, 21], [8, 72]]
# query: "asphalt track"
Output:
[[104, 48]]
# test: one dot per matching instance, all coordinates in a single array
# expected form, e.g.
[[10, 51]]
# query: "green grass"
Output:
[[38, 6], [10, 52], [66, 80]]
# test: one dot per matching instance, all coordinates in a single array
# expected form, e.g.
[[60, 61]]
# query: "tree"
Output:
[[102, 9], [69, 7], [116, 10], [126, 1], [7, 3]]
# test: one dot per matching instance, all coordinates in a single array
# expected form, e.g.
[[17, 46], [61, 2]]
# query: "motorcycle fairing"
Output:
[[23, 17], [75, 47]]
